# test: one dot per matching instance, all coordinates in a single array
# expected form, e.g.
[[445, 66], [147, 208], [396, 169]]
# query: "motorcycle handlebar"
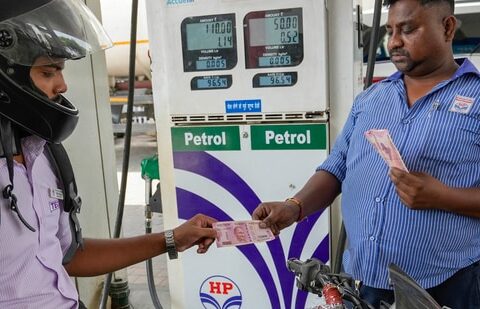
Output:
[[312, 275]]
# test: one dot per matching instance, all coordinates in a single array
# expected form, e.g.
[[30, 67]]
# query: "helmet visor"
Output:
[[59, 30]]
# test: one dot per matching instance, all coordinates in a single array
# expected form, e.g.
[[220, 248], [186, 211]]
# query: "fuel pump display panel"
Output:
[[209, 43], [273, 38], [221, 57]]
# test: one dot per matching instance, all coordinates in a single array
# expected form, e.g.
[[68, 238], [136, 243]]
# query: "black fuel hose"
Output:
[[127, 143]]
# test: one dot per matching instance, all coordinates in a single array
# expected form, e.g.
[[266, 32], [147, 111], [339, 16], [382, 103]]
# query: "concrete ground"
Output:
[[143, 145]]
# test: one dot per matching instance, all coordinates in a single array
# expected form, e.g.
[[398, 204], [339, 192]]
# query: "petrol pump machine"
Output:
[[240, 92]]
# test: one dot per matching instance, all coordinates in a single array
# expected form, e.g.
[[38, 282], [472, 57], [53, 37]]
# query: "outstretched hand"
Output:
[[276, 215], [417, 190], [196, 231]]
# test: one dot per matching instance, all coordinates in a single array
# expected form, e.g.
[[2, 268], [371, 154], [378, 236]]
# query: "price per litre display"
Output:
[[283, 79], [211, 82], [209, 43]]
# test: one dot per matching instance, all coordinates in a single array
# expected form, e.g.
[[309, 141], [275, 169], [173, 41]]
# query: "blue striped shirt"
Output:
[[438, 135]]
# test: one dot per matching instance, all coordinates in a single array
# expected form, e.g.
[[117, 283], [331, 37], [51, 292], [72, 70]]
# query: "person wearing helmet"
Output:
[[36, 38]]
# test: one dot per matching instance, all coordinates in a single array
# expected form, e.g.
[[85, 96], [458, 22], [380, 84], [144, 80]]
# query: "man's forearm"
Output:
[[319, 192], [101, 256]]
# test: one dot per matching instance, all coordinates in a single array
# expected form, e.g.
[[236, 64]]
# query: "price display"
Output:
[[273, 38], [209, 43], [211, 82], [283, 79]]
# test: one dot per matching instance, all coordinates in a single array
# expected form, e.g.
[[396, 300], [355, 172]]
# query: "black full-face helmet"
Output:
[[31, 30], [56, 30]]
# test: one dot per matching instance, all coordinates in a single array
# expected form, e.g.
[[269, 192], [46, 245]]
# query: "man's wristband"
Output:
[[300, 207], [170, 245]]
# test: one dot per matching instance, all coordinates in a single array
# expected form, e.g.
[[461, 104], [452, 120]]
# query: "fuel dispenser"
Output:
[[241, 107]]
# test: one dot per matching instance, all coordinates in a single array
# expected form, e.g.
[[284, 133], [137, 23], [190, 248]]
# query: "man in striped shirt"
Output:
[[426, 221]]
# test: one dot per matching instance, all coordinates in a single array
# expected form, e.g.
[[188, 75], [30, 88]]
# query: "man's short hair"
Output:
[[451, 3]]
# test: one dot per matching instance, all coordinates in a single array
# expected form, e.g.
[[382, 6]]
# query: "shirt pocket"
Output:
[[52, 209], [452, 137]]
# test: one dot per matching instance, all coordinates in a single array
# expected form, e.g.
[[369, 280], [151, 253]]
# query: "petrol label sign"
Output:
[[217, 138], [284, 137]]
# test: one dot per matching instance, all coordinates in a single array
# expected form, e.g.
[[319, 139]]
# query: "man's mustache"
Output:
[[398, 52]]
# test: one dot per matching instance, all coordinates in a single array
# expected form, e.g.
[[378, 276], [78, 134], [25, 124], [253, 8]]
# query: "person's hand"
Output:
[[276, 215], [196, 231], [417, 190]]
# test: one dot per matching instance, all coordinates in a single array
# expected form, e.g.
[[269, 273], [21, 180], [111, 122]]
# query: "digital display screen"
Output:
[[283, 80], [278, 79], [279, 30], [212, 64], [273, 61], [209, 83], [273, 38], [209, 35], [209, 43]]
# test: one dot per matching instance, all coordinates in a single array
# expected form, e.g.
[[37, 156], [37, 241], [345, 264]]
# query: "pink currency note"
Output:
[[383, 143], [237, 233]]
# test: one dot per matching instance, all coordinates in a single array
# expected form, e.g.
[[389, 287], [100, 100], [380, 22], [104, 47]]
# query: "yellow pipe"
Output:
[[128, 42], [118, 99]]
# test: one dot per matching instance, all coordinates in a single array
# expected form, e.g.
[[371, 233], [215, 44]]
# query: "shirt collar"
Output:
[[465, 67], [32, 147]]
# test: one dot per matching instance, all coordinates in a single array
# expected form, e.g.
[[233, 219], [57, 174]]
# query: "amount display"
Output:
[[213, 64], [280, 30], [209, 35], [273, 61], [210, 83]]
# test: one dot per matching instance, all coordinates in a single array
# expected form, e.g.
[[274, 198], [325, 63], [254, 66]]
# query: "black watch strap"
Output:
[[170, 243]]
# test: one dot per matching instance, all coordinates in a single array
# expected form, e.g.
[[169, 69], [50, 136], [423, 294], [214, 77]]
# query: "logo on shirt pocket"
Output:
[[462, 104]]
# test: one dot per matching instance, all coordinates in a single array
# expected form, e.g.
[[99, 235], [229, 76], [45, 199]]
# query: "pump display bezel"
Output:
[[267, 53], [212, 58]]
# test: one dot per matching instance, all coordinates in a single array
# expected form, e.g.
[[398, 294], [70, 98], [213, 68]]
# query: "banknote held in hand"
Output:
[[383, 143], [237, 233]]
